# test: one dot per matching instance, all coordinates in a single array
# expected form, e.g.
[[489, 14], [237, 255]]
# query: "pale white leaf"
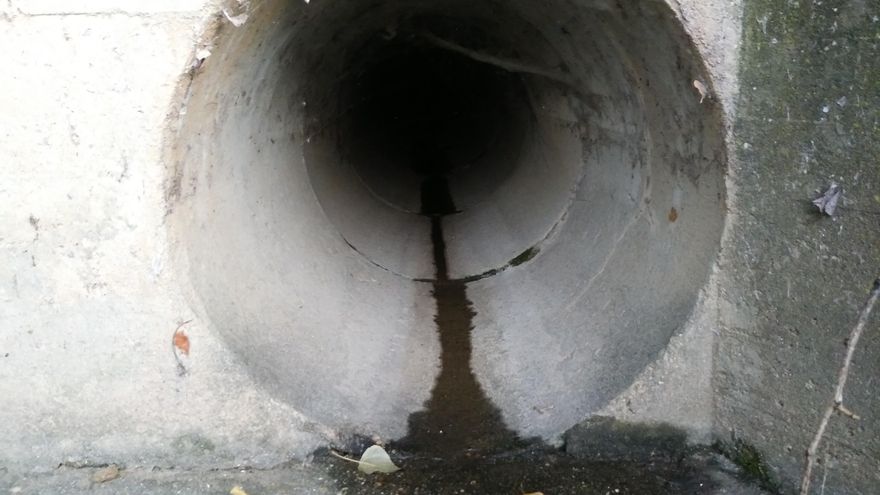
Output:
[[237, 20], [702, 89], [376, 460]]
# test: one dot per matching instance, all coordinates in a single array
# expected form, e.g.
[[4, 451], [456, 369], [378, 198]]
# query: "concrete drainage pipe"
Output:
[[558, 149]]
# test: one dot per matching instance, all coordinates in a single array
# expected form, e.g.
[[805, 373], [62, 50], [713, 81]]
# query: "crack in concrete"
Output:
[[605, 262]]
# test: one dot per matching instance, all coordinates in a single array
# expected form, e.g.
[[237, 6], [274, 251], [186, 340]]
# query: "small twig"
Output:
[[508, 65], [349, 459], [837, 402], [846, 412]]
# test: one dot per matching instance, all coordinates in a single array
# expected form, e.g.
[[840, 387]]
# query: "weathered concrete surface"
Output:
[[793, 280], [604, 437], [90, 295], [88, 301]]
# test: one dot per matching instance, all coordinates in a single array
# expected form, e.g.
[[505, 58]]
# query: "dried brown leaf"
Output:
[[181, 342]]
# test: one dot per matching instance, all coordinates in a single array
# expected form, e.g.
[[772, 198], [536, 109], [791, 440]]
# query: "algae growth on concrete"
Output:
[[808, 115]]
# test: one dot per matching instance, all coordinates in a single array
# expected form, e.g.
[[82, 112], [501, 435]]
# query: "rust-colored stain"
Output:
[[673, 214], [181, 341]]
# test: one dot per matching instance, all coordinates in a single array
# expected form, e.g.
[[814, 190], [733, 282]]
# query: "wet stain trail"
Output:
[[458, 420]]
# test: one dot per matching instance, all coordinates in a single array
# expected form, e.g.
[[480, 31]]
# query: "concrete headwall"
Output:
[[89, 299], [94, 285], [794, 281]]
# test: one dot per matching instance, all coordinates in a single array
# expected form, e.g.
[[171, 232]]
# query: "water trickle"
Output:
[[458, 418]]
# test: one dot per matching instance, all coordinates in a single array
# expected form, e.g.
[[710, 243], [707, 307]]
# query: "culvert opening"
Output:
[[575, 175], [409, 105]]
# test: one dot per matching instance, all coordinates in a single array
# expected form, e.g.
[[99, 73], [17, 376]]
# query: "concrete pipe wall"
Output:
[[585, 169]]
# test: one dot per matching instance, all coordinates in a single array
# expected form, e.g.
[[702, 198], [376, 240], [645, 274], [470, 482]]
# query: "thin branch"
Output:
[[837, 402], [349, 459], [340, 456], [508, 65], [847, 412], [854, 337]]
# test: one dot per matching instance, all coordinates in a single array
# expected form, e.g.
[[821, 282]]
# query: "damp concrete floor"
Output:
[[457, 445], [516, 473]]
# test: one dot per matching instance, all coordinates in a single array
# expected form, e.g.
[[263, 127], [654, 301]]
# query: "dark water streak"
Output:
[[458, 419]]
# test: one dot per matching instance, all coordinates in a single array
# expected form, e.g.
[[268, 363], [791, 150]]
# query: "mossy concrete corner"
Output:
[[793, 278]]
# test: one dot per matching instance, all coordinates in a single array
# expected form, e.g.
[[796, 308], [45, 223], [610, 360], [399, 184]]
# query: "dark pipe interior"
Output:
[[419, 111]]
